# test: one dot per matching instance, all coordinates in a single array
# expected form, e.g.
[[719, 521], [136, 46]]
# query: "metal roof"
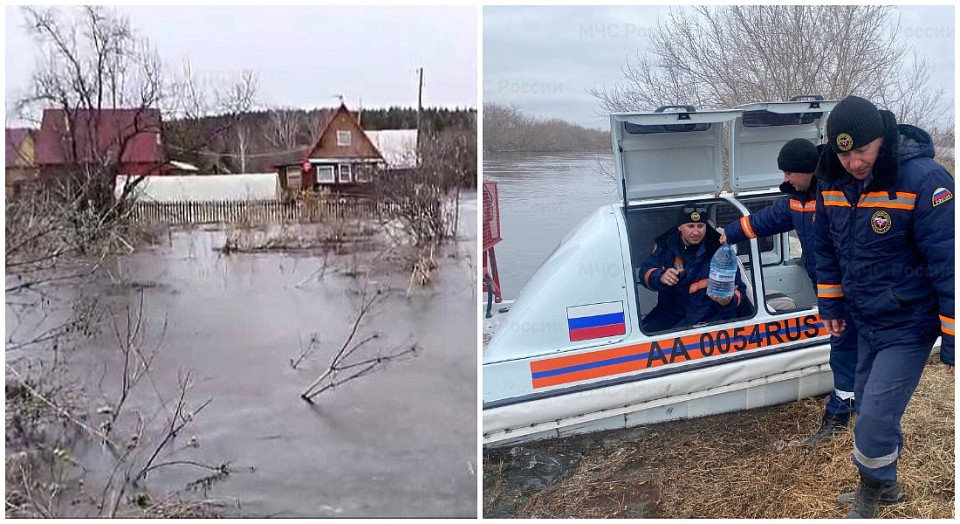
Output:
[[204, 188]]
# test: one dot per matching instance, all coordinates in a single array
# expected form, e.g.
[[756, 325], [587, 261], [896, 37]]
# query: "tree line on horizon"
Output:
[[507, 128]]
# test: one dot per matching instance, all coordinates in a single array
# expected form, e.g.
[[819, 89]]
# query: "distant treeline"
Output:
[[506, 128]]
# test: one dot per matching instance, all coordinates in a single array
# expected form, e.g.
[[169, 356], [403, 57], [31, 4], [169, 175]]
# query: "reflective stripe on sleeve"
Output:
[[745, 226], [829, 291], [646, 277], [946, 325]]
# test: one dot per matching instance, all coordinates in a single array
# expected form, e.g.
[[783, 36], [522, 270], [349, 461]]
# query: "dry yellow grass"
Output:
[[743, 465]]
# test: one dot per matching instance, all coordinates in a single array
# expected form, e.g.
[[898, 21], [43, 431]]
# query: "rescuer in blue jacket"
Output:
[[885, 249], [798, 160], [678, 271]]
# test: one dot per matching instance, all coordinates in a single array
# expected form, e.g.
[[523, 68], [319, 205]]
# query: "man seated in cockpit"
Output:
[[678, 270]]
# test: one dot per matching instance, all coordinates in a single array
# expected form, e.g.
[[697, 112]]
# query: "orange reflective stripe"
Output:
[[646, 277], [829, 291], [901, 200], [946, 325], [800, 207], [697, 286], [908, 207], [745, 226], [834, 198]]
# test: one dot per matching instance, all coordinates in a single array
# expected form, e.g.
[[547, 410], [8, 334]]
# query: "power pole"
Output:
[[419, 109]]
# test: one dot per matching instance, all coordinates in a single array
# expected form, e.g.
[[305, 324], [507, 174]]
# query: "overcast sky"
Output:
[[543, 59], [303, 55]]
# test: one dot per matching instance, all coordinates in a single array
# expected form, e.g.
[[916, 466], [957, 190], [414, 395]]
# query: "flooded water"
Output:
[[401, 442], [542, 197]]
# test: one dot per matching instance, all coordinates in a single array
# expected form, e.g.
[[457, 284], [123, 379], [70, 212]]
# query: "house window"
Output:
[[293, 177], [346, 172], [325, 175], [363, 174], [344, 138]]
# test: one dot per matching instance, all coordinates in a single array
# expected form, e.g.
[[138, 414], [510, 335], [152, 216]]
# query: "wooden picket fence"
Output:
[[259, 212]]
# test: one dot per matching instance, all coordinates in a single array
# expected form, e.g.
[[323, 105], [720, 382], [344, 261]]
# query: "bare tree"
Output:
[[316, 119], [723, 56], [283, 128], [56, 238]]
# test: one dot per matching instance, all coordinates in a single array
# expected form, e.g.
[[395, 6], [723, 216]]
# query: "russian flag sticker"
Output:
[[596, 321]]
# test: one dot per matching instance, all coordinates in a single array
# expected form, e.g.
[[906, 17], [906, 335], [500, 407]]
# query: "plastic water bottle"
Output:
[[723, 272]]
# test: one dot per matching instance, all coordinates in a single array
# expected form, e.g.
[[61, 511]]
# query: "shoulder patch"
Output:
[[941, 195]]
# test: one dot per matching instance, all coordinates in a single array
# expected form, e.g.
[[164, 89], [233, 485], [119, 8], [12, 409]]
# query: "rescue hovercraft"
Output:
[[570, 356]]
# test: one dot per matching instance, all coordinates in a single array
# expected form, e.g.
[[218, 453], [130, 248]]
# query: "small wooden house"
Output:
[[345, 158], [21, 168]]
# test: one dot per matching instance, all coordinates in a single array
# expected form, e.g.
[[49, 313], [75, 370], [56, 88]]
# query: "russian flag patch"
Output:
[[596, 321], [940, 196]]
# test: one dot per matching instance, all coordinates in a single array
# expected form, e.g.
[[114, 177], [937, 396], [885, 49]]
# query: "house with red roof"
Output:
[[121, 141]]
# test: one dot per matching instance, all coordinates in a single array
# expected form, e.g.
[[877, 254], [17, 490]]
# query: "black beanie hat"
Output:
[[853, 123], [798, 156], [691, 214]]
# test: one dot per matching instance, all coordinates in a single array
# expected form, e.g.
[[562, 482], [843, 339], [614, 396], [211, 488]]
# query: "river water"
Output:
[[542, 197], [401, 442]]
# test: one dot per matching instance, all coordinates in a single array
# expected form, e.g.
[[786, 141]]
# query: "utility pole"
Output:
[[419, 109]]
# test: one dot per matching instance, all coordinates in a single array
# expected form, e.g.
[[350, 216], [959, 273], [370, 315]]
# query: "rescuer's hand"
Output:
[[950, 369], [834, 326], [721, 301], [723, 239], [670, 277]]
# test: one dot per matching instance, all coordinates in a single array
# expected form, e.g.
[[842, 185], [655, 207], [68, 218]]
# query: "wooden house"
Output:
[[344, 158], [19, 157]]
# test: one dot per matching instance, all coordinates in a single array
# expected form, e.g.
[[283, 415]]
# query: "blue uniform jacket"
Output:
[[687, 303], [887, 249], [794, 211]]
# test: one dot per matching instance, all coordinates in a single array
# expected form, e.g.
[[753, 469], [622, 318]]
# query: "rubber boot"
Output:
[[832, 424], [867, 498], [889, 494]]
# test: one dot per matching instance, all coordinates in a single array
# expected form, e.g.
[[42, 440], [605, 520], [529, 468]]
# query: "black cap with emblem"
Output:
[[854, 122], [692, 214]]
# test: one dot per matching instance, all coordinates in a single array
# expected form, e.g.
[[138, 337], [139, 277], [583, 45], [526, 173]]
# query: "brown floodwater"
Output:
[[401, 442]]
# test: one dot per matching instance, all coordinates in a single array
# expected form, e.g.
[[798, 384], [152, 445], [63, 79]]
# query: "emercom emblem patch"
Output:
[[881, 222]]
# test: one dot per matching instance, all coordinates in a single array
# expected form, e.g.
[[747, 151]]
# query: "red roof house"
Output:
[[126, 141]]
